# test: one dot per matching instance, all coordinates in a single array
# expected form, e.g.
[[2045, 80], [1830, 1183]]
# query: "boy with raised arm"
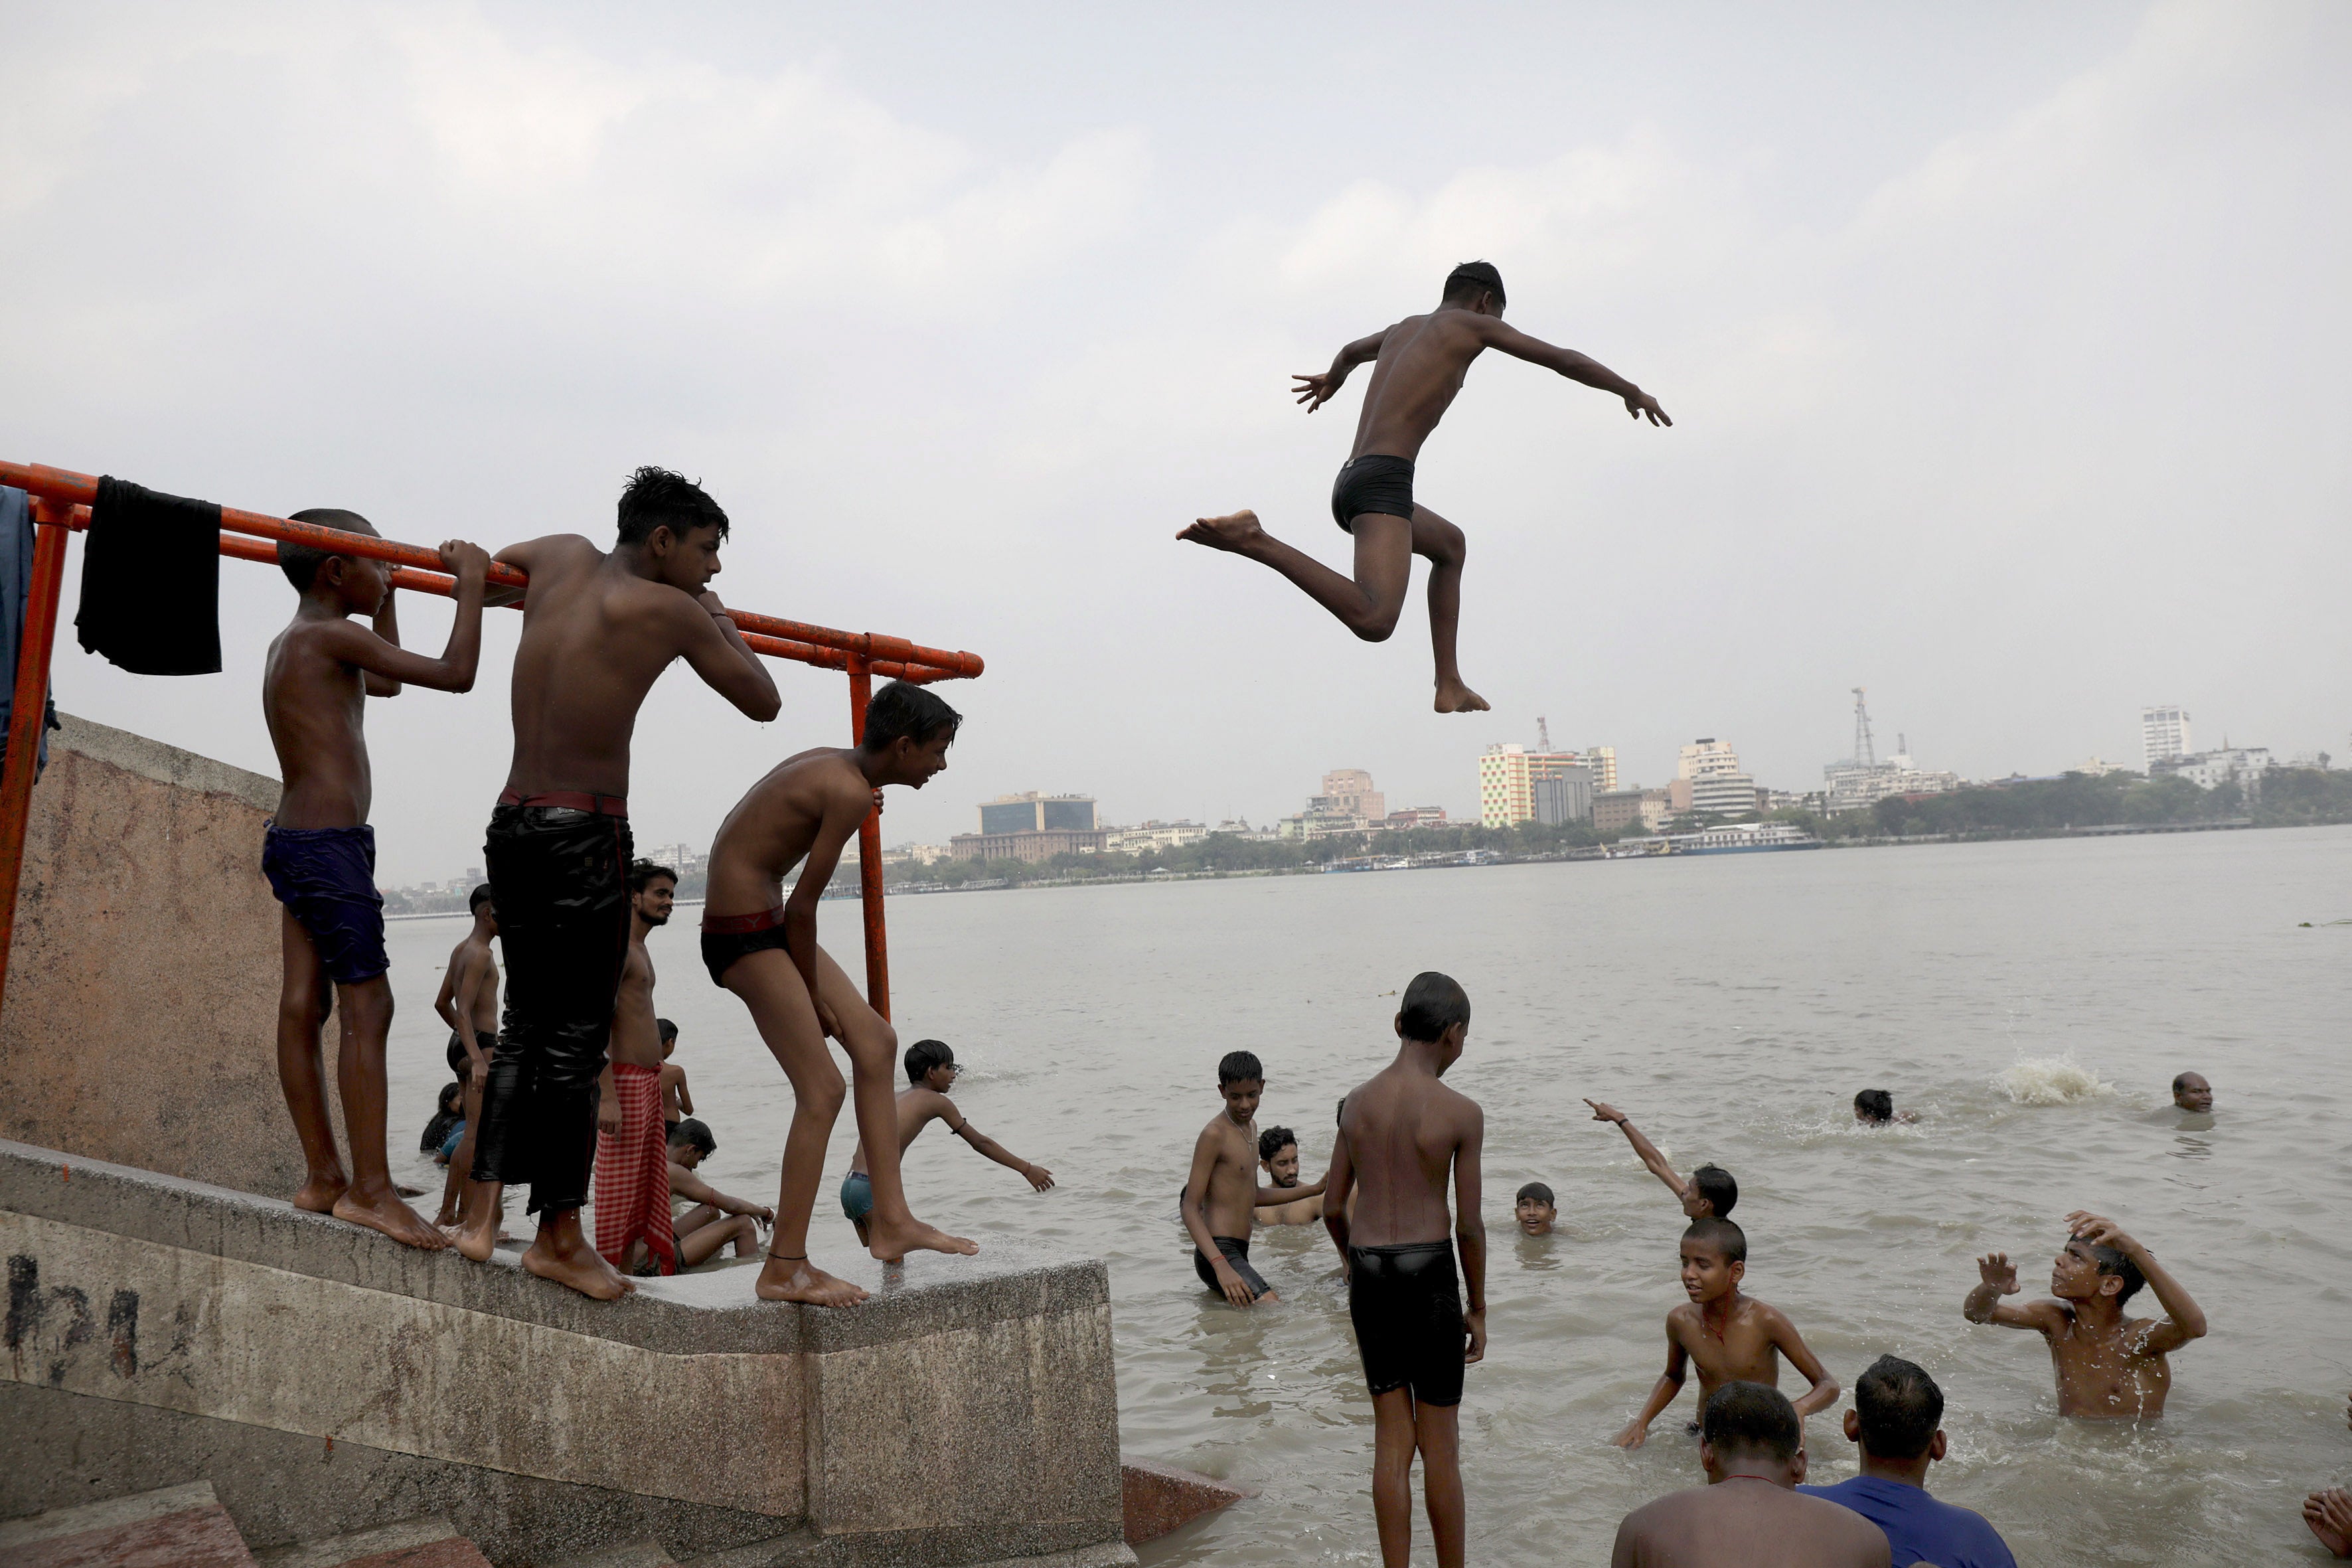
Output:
[[1708, 1194], [1731, 1337], [1220, 1192], [931, 1072], [598, 630], [468, 1002], [1403, 1135], [1418, 365], [318, 852], [762, 946], [2109, 1367], [631, 1145]]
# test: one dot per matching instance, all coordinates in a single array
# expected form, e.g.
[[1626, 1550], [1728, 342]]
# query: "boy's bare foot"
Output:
[[1238, 531], [321, 1194], [1453, 697], [798, 1279], [386, 1212], [2330, 1514], [890, 1243], [583, 1270]]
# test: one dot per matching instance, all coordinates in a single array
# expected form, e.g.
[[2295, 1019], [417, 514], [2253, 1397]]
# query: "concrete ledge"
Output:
[[329, 1379], [164, 764]]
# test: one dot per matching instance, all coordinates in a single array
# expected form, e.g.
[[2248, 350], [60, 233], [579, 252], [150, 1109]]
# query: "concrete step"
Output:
[[176, 1527], [1154, 1498], [643, 1552], [422, 1542]]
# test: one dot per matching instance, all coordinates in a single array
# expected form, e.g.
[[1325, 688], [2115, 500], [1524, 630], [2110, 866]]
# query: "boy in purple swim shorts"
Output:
[[318, 852]]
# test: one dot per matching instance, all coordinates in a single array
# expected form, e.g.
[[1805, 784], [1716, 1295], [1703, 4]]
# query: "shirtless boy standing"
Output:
[[1222, 1194], [1277, 1156], [762, 947], [1402, 1136], [1733, 1338], [598, 630], [677, 1100], [631, 1145], [2109, 1367], [931, 1072], [1709, 1193], [1421, 363], [318, 852], [468, 1002]]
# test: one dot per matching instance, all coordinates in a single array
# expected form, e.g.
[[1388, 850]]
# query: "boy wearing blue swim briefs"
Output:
[[318, 851], [931, 1072]]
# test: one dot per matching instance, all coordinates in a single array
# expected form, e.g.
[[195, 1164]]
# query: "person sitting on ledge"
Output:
[[1749, 1513], [1897, 1408], [318, 853], [932, 1073], [1709, 1194], [1876, 1108], [716, 1219]]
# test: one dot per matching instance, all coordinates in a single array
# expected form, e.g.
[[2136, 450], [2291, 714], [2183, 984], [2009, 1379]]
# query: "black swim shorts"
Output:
[[1236, 1251], [326, 879], [1407, 1308], [726, 938], [1373, 482], [459, 1062]]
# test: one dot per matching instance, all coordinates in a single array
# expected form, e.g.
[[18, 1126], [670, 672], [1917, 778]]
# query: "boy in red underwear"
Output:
[[318, 851]]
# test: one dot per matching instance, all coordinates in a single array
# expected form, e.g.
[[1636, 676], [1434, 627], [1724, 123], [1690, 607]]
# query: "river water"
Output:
[[2031, 1001]]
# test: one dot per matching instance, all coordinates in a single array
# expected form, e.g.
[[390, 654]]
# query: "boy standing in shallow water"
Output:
[[762, 947], [1402, 1134], [318, 852], [1733, 1338], [468, 1004], [2109, 1367], [1220, 1194], [931, 1072]]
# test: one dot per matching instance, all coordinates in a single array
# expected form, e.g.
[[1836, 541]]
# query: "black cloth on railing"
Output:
[[15, 594], [151, 581]]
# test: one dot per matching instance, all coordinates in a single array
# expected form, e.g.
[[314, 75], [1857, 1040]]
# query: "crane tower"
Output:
[[1863, 754]]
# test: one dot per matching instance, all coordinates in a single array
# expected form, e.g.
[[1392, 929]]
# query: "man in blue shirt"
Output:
[[1897, 1408]]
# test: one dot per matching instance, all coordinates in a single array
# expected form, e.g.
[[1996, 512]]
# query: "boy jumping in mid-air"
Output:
[[1708, 1194], [1220, 1196], [318, 852], [2109, 1367], [1732, 1338], [931, 1072], [468, 1002], [1402, 1136], [762, 947], [1421, 363]]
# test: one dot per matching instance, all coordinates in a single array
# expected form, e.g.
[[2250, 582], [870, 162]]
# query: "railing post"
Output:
[[869, 850], [33, 649]]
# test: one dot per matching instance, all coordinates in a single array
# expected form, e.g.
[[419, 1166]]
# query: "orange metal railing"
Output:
[[62, 501]]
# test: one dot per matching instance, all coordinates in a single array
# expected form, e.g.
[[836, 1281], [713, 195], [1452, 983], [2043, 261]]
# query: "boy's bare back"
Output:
[[1423, 361], [1404, 1133], [779, 821]]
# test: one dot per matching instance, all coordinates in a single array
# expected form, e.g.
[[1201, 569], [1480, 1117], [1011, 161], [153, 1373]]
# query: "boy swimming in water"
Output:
[[1418, 366], [1732, 1338], [1277, 1156], [2109, 1367], [1708, 1194], [1403, 1136], [1534, 1209], [1876, 1108], [932, 1073]]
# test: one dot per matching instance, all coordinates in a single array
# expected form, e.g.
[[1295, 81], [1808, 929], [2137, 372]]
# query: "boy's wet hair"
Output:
[[925, 1054], [1274, 1141], [643, 873], [2111, 1261], [666, 1029], [655, 497], [476, 898], [300, 563], [1433, 1003], [1539, 1192], [1721, 1235], [1900, 1407], [1472, 277], [691, 1131], [1714, 1183], [1876, 1104], [902, 708], [1748, 1419], [447, 1104], [1237, 1065]]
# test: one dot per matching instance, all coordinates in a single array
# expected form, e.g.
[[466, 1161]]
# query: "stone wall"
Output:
[[141, 1020]]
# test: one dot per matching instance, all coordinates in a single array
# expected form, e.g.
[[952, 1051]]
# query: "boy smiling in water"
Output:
[[2109, 1367], [1732, 1338]]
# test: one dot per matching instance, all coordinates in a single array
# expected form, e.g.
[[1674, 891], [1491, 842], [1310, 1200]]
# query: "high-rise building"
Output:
[[2163, 732], [1349, 792], [1708, 778], [1706, 756], [1508, 775], [1562, 795], [1034, 813], [1603, 761]]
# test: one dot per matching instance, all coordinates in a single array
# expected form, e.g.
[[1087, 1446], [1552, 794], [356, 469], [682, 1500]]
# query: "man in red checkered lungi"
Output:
[[632, 1146]]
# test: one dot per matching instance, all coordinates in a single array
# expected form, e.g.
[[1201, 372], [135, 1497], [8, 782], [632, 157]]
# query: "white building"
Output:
[[1147, 836], [1705, 758], [2163, 732], [1854, 787], [2211, 770]]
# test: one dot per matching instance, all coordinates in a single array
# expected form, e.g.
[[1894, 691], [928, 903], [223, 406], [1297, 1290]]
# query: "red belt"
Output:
[[570, 800], [743, 925]]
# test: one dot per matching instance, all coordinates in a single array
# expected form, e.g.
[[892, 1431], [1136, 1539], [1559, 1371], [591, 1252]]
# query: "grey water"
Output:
[[2030, 1001]]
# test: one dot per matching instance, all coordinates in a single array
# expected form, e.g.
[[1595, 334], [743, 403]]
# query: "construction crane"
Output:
[[1864, 753]]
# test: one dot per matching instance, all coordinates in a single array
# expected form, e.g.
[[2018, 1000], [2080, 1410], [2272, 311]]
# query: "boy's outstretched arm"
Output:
[[1995, 1278], [1196, 1221], [1572, 364], [1824, 1392], [1643, 1148], [1662, 1392], [1314, 391], [686, 1184], [1037, 1177], [2183, 1319], [1470, 1235]]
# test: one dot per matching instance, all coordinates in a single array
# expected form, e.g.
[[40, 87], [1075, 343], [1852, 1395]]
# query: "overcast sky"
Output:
[[2005, 347]]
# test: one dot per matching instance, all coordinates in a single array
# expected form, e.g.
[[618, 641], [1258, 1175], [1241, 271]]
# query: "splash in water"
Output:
[[2049, 1080]]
